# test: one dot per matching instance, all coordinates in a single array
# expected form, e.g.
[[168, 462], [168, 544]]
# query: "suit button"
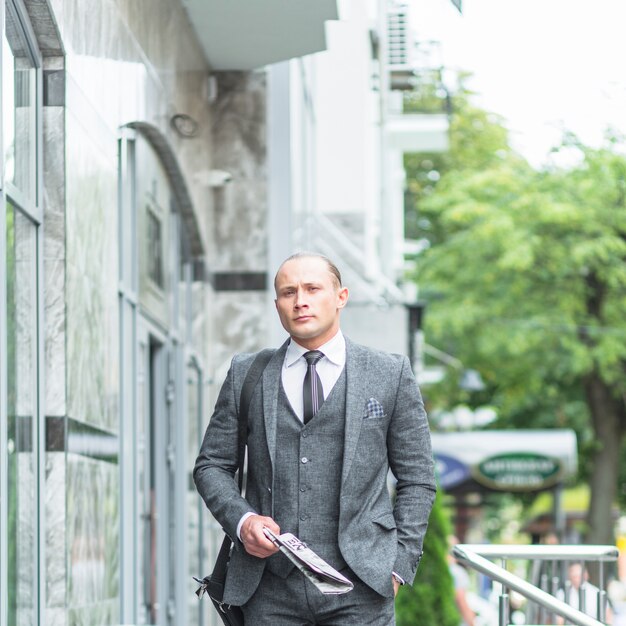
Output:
[[303, 489], [303, 518], [304, 459], [304, 435]]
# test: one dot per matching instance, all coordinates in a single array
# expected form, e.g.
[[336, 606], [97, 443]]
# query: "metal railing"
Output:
[[477, 557]]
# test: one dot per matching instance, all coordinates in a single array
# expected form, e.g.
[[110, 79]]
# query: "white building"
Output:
[[336, 169]]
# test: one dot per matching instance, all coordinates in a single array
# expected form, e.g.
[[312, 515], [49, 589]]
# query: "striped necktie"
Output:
[[313, 394]]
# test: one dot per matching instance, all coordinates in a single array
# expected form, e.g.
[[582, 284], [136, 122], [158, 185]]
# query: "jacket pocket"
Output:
[[386, 520]]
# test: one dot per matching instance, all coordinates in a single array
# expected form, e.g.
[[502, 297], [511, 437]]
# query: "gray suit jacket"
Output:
[[375, 537]]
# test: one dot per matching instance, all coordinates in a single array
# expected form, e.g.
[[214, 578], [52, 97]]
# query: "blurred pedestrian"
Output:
[[580, 588], [461, 586]]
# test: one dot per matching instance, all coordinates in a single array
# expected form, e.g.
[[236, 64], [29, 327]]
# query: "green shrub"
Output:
[[430, 601]]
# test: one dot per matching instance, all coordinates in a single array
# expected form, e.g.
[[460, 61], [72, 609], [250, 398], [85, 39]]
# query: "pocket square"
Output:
[[374, 409]]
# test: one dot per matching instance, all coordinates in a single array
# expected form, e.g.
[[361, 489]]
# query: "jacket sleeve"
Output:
[[217, 462], [411, 461]]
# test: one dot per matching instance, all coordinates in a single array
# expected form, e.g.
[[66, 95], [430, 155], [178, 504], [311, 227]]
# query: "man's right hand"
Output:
[[253, 538]]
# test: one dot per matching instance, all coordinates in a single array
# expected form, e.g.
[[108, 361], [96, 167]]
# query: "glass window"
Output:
[[20, 250], [153, 223], [154, 257], [195, 547], [18, 107], [22, 410]]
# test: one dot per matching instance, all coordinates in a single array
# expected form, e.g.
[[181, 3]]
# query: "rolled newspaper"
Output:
[[325, 577]]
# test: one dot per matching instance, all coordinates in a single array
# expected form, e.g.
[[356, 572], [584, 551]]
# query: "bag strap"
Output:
[[253, 376], [250, 382]]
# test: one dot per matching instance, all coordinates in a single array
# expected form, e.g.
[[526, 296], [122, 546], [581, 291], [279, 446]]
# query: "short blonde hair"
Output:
[[332, 268]]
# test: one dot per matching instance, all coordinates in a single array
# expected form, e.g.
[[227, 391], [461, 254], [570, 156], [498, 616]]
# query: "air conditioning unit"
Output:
[[399, 46]]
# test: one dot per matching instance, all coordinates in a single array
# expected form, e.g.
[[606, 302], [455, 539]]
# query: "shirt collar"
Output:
[[334, 350]]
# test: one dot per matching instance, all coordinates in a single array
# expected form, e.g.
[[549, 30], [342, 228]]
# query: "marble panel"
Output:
[[195, 563], [200, 307], [240, 227], [22, 536], [56, 544], [54, 254], [55, 337], [56, 617], [54, 182], [239, 235], [94, 614], [240, 324], [93, 541], [92, 279]]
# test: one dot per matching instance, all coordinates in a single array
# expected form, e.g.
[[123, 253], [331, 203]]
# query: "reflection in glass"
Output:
[[18, 107], [142, 432], [195, 546], [148, 572], [154, 257], [21, 259]]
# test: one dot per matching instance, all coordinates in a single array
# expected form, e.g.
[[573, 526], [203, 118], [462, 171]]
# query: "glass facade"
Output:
[[22, 415], [20, 407], [18, 107], [195, 537], [114, 308]]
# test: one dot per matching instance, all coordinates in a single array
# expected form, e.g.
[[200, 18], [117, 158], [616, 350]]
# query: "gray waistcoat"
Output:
[[307, 477]]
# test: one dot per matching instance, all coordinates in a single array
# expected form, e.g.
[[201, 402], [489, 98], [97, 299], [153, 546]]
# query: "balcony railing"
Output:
[[477, 557]]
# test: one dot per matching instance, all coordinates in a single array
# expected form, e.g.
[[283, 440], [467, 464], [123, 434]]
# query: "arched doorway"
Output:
[[162, 348]]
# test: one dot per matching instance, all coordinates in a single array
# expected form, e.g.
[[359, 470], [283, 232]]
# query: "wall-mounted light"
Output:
[[184, 125], [212, 178]]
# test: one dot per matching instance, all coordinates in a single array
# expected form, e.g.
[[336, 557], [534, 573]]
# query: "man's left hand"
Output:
[[396, 586]]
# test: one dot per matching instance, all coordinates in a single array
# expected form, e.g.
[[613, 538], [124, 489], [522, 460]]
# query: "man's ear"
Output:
[[342, 297]]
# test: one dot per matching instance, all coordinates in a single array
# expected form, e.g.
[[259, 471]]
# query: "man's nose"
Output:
[[300, 299]]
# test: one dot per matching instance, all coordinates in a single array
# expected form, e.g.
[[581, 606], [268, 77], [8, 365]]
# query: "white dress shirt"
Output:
[[328, 368]]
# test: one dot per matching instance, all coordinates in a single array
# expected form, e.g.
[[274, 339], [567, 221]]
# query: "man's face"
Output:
[[309, 301], [576, 575]]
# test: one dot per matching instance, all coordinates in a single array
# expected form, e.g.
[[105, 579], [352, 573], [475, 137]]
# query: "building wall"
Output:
[[238, 260], [124, 62]]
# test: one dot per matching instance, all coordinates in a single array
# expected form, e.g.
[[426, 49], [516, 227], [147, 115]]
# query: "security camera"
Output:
[[213, 178]]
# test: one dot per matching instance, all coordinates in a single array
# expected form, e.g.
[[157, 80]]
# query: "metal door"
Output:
[[155, 525]]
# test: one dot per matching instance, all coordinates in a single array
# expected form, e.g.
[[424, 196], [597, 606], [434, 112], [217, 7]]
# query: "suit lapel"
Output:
[[356, 391], [271, 380]]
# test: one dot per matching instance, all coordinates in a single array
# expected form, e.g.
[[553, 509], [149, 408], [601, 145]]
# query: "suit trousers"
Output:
[[295, 601]]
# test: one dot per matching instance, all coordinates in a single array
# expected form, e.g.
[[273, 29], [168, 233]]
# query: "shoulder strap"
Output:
[[214, 584], [250, 382]]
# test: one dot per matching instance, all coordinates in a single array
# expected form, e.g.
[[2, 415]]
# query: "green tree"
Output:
[[430, 601], [478, 141], [529, 273]]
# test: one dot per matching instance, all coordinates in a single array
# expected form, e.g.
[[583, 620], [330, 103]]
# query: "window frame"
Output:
[[31, 209]]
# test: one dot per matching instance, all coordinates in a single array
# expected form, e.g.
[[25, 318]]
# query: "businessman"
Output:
[[327, 421]]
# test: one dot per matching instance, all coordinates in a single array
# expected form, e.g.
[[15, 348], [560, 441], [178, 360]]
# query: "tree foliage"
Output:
[[525, 280]]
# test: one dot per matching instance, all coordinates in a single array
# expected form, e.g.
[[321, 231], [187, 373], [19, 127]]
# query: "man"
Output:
[[587, 601], [461, 582], [326, 422]]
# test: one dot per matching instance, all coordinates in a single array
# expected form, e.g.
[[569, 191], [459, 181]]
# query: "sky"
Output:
[[544, 65]]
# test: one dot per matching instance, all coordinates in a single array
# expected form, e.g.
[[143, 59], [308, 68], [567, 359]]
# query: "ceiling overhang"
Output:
[[248, 34]]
